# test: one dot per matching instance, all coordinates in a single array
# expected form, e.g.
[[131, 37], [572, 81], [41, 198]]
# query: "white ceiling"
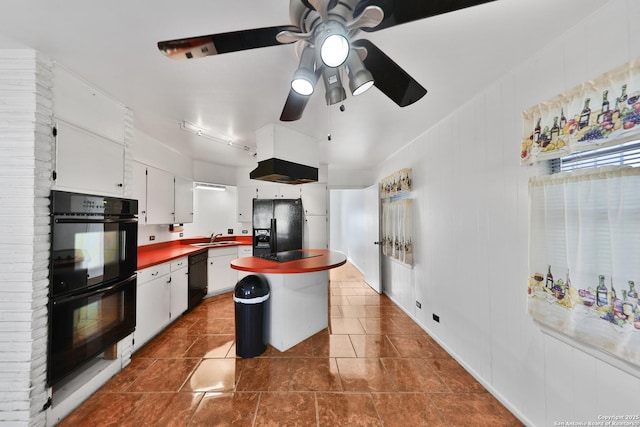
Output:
[[112, 44]]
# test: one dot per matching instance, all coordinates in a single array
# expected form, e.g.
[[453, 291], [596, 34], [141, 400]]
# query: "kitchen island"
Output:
[[299, 300]]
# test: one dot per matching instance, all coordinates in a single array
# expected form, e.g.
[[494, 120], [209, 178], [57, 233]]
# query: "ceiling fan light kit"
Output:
[[329, 28], [334, 92], [304, 79], [360, 79], [334, 45]]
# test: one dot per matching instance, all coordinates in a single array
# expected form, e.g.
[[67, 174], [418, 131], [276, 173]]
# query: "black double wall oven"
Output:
[[92, 290]]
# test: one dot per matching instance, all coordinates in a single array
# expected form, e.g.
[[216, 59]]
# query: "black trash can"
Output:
[[251, 296]]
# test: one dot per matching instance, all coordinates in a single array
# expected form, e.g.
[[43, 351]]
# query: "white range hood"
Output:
[[285, 156]]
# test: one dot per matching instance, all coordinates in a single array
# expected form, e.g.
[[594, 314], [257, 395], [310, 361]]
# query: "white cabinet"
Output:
[[87, 162], [315, 232], [153, 303], [279, 191], [140, 190], [220, 276], [314, 198], [243, 252], [183, 202], [162, 296], [245, 195], [75, 101], [162, 197], [179, 285]]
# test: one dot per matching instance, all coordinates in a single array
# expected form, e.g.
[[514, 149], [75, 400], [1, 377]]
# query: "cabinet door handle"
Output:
[[155, 274]]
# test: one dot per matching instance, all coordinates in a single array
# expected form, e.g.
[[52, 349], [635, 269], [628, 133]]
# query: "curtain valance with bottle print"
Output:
[[598, 113], [396, 184], [584, 257]]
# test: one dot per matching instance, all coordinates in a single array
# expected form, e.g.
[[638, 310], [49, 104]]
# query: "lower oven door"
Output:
[[84, 324]]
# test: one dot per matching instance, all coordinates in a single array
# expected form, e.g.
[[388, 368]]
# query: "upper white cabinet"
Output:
[[140, 190], [75, 101], [162, 197], [183, 200], [246, 194], [90, 137], [314, 198], [87, 162], [279, 191]]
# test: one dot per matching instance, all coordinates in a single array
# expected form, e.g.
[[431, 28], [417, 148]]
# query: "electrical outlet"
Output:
[[152, 237], [436, 318], [229, 230], [245, 231], [418, 304], [181, 234]]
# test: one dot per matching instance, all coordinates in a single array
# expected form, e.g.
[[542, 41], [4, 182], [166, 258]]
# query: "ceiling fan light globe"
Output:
[[361, 82], [304, 78], [334, 50], [302, 86], [335, 94]]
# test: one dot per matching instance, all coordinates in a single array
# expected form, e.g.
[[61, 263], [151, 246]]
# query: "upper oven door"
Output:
[[91, 250]]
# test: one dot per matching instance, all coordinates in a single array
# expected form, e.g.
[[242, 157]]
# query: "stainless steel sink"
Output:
[[213, 244]]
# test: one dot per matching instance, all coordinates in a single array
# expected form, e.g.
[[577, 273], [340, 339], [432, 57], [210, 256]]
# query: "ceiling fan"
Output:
[[326, 31]]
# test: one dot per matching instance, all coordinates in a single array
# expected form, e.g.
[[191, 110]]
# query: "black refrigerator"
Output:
[[277, 225]]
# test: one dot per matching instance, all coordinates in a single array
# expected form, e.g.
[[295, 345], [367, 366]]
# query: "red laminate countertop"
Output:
[[158, 253], [327, 260]]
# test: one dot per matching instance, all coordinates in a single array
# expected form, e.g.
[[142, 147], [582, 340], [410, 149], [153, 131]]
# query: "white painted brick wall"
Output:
[[128, 152], [26, 102]]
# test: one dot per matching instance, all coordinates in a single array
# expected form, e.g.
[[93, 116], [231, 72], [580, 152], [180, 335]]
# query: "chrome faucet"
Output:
[[214, 237]]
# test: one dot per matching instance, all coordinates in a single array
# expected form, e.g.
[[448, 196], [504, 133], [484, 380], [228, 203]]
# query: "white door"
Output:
[[372, 237]]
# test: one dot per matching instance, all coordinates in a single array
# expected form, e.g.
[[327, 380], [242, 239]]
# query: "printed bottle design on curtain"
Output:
[[397, 225], [602, 112], [583, 252]]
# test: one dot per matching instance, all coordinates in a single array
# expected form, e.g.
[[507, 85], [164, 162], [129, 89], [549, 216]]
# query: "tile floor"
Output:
[[373, 367]]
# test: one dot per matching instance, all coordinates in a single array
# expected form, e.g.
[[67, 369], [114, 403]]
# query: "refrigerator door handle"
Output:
[[273, 241]]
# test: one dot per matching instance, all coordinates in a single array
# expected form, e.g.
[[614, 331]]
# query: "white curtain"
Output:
[[397, 228], [584, 225]]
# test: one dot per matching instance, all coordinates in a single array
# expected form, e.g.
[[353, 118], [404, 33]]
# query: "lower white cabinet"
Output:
[[179, 287], [220, 276], [153, 303], [244, 251], [162, 296]]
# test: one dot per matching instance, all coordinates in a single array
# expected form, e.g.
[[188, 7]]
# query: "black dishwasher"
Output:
[[197, 278]]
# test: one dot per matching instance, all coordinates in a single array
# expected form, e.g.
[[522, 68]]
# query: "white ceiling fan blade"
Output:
[[321, 6], [370, 17], [291, 36]]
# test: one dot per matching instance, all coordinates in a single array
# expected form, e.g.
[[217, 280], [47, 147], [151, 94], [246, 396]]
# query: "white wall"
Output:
[[213, 212], [347, 225], [470, 225], [215, 174]]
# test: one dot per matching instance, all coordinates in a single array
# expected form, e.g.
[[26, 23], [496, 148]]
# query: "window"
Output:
[[623, 154]]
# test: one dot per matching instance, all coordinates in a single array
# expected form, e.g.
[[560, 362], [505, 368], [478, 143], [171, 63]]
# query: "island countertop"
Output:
[[326, 260]]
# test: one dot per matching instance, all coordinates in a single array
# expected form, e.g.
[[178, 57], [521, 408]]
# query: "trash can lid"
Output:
[[252, 286]]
